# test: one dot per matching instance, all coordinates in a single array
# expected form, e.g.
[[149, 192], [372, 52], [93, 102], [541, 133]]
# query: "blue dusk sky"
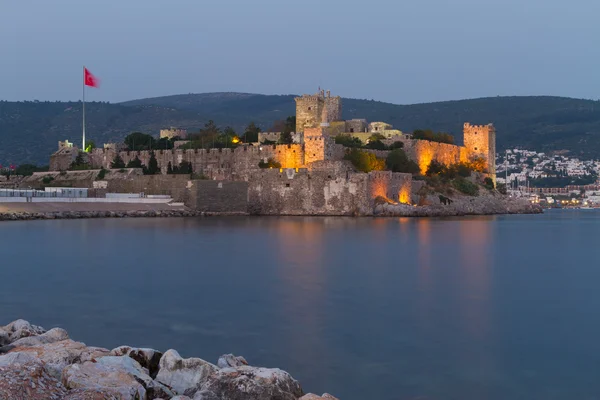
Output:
[[390, 50]]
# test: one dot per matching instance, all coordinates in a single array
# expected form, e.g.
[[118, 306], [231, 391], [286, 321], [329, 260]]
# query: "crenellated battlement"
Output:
[[467, 125]]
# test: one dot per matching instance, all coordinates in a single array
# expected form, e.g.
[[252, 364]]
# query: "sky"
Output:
[[396, 51]]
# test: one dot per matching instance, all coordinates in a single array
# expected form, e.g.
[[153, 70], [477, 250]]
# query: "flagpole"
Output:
[[83, 81]]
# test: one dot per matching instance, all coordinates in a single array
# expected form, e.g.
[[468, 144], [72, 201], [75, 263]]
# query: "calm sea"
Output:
[[473, 308]]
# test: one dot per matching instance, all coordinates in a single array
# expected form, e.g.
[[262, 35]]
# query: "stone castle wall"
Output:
[[218, 196], [214, 163], [320, 192], [423, 152], [130, 180]]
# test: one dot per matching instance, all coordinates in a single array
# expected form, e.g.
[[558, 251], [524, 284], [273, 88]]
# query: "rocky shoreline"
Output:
[[36, 364], [488, 204], [16, 216]]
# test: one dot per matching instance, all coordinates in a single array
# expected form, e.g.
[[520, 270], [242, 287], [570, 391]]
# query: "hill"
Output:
[[29, 131]]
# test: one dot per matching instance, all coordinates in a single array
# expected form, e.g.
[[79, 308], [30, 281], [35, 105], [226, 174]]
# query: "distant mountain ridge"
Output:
[[30, 131]]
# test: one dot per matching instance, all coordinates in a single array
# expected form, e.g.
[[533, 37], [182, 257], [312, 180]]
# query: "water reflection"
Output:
[[383, 309], [299, 247]]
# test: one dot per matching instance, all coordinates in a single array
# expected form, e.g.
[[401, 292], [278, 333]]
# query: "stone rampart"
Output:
[[218, 196], [213, 163], [130, 180], [423, 152], [394, 187], [321, 192], [172, 185]]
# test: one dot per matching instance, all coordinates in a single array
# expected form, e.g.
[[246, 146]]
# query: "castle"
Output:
[[314, 153]]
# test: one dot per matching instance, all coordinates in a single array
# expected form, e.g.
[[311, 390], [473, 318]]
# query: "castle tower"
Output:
[[480, 141], [324, 119], [309, 110]]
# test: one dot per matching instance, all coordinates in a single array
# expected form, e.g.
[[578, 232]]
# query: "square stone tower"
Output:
[[480, 141], [309, 109]]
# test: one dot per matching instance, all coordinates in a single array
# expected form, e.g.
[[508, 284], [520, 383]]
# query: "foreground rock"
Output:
[[36, 364], [182, 374], [23, 377], [249, 383], [57, 356], [311, 396]]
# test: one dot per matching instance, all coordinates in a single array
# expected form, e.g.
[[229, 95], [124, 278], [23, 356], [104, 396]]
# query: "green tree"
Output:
[[435, 168], [251, 133], [376, 145], [29, 169], [80, 163], [365, 161], [433, 136], [137, 141], [90, 145], [117, 162], [396, 145], [184, 168], [135, 163], [152, 168], [164, 144], [348, 141], [398, 161], [288, 129]]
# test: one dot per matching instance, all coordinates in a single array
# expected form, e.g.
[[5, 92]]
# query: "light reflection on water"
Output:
[[473, 308]]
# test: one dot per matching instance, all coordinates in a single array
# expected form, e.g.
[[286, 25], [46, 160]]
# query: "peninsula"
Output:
[[318, 164]]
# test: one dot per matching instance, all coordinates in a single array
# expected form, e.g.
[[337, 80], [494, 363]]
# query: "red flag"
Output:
[[89, 79]]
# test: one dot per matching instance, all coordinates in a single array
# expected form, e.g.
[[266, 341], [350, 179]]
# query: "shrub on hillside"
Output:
[[365, 161], [376, 145], [398, 161], [465, 186], [396, 145], [435, 168], [101, 174], [477, 164], [348, 141], [488, 183], [501, 188]]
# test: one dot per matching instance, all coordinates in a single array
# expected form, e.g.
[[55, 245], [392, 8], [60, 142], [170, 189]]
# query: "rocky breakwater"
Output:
[[36, 364], [489, 203], [19, 216]]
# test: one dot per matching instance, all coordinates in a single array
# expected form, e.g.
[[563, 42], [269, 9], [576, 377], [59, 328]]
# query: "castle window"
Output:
[[351, 130], [475, 148], [287, 185], [309, 108]]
